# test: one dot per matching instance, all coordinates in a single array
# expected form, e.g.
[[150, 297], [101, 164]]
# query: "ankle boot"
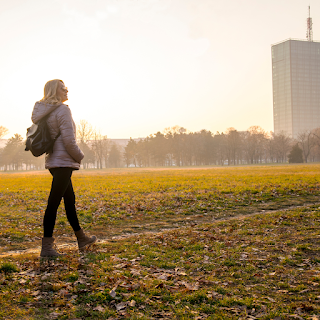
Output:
[[83, 240], [47, 249]]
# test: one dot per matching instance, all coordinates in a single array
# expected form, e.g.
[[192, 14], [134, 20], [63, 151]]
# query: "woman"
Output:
[[65, 157]]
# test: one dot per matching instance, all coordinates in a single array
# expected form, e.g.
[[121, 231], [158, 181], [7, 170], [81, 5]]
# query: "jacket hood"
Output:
[[41, 109]]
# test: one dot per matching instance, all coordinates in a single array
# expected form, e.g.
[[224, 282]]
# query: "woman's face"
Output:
[[62, 92]]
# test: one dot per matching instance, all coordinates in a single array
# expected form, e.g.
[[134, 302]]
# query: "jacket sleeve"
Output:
[[67, 130], [35, 114]]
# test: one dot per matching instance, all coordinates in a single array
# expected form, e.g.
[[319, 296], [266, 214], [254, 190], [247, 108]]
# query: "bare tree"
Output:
[[306, 141], [105, 149], [282, 145], [3, 131], [85, 131], [254, 144], [269, 147], [315, 153], [100, 145], [220, 145], [233, 144], [203, 147]]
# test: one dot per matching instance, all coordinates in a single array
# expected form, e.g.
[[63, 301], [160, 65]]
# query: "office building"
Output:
[[296, 86]]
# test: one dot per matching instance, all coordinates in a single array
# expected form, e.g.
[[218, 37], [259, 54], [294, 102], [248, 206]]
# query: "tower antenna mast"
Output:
[[309, 28]]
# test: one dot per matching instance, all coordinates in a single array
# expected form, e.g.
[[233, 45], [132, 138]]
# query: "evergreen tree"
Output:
[[130, 153], [295, 155], [114, 156]]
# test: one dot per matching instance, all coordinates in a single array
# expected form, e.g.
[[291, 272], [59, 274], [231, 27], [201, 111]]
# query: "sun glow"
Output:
[[136, 67]]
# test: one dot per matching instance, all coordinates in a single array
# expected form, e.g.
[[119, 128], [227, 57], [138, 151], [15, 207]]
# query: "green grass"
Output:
[[8, 267], [122, 201], [212, 263], [166, 275]]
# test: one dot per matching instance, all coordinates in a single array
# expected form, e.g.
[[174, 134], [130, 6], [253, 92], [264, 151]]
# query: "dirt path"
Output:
[[208, 219]]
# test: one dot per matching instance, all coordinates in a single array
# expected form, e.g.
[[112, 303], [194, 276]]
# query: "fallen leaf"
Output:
[[189, 286], [63, 292], [132, 303], [99, 308], [305, 290], [163, 276], [295, 316], [113, 293], [121, 306], [135, 272], [54, 315], [270, 299], [180, 272]]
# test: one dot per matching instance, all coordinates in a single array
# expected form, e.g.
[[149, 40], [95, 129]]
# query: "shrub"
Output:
[[8, 267], [295, 155]]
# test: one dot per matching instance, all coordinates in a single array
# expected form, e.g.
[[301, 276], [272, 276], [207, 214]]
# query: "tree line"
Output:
[[99, 151], [175, 146]]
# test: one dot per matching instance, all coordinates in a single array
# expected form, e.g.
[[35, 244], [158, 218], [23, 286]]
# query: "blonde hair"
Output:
[[50, 92]]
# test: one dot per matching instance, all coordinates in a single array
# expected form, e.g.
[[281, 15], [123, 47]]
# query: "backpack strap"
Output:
[[57, 136]]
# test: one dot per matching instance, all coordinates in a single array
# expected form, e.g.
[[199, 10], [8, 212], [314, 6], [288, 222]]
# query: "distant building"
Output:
[[296, 86]]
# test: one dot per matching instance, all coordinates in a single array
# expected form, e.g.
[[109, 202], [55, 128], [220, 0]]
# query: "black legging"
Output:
[[61, 188]]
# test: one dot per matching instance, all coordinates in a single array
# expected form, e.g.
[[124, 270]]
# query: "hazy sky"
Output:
[[135, 67]]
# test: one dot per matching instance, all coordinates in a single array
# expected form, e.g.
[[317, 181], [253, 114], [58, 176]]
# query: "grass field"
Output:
[[211, 263]]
